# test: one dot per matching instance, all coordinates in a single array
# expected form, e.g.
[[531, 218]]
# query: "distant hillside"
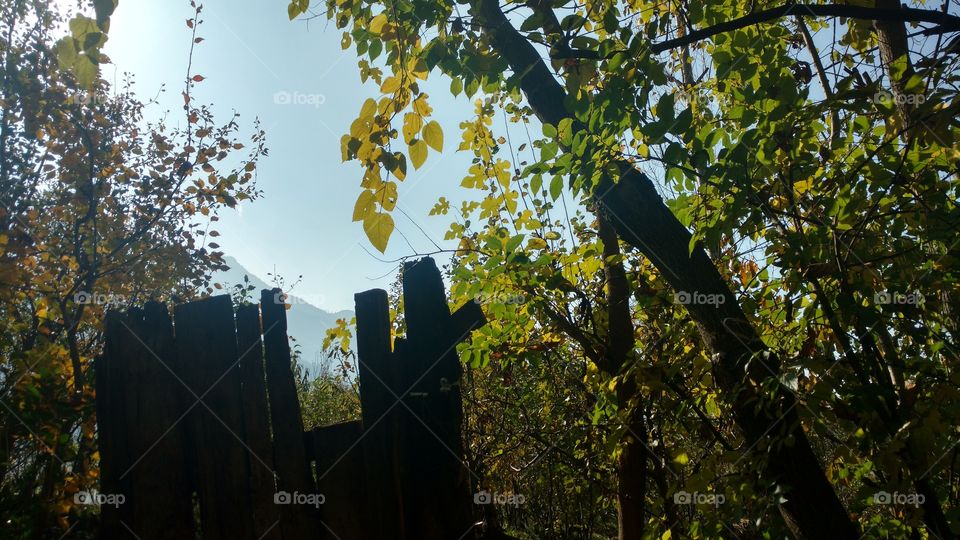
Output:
[[306, 323]]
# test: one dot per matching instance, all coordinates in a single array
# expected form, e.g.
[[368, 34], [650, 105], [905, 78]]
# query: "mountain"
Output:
[[306, 323]]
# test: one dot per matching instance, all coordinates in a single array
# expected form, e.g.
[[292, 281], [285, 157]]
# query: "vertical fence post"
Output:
[[439, 482], [378, 404], [256, 423], [289, 452], [140, 406], [207, 351]]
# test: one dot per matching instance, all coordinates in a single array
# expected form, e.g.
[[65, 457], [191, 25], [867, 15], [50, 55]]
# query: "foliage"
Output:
[[825, 195], [101, 209]]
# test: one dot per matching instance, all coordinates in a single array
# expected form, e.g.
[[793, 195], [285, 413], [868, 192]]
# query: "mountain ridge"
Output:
[[306, 323]]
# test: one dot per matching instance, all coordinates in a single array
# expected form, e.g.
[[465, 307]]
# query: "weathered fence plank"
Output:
[[377, 404], [207, 350], [256, 423], [338, 457], [141, 423], [289, 453], [434, 448]]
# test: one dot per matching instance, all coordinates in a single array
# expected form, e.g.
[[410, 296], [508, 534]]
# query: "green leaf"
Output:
[[433, 135], [532, 22], [104, 10], [556, 186], [536, 183], [665, 108]]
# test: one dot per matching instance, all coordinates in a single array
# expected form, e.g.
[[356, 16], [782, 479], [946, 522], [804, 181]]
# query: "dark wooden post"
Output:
[[256, 422], [338, 454], [289, 452], [140, 406], [207, 351], [437, 479], [378, 405]]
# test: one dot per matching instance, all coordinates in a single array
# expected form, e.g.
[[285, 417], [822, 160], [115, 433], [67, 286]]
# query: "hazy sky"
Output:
[[302, 225]]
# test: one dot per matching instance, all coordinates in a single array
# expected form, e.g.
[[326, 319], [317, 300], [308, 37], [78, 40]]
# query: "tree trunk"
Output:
[[740, 360], [619, 344], [892, 37], [632, 471]]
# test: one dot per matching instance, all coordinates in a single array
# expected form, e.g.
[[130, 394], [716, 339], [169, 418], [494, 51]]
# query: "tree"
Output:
[[772, 218], [100, 209]]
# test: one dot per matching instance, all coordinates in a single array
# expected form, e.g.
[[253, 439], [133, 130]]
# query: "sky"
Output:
[[253, 57]]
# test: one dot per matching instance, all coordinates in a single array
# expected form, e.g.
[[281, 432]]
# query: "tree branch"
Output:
[[945, 22]]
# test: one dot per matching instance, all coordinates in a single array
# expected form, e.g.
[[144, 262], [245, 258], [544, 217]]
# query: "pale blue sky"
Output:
[[303, 224]]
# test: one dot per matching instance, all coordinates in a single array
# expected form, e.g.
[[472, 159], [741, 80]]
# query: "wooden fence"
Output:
[[200, 427]]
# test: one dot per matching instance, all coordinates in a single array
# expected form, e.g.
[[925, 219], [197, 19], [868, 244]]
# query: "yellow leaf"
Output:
[[390, 85], [369, 108], [411, 126], [377, 23], [420, 105], [418, 68], [364, 205], [371, 178], [379, 227], [418, 153], [388, 197], [681, 459], [433, 135]]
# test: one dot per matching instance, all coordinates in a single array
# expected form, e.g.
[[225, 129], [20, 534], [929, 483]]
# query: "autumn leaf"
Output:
[[433, 135], [379, 227], [418, 153]]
